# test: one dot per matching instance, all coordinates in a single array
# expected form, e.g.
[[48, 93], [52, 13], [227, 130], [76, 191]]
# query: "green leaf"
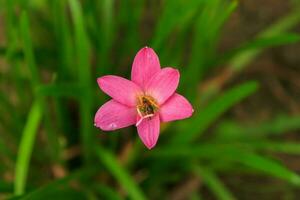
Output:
[[107, 192], [84, 74], [211, 180], [35, 79], [81, 43], [176, 15], [61, 188], [202, 151], [107, 23], [10, 119], [63, 37], [59, 90], [278, 147], [207, 32], [107, 34], [274, 40], [232, 153], [26, 146], [120, 174], [65, 192], [243, 58], [230, 130], [266, 165], [131, 19], [5, 150], [6, 187], [28, 49], [202, 119], [262, 42]]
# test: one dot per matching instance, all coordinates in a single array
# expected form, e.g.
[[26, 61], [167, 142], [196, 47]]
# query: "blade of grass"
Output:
[[60, 90], [277, 126], [176, 15], [211, 180], [107, 192], [292, 148], [81, 42], [106, 35], [271, 41], [26, 146], [65, 68], [4, 150], [243, 58], [260, 43], [35, 81], [6, 187], [195, 126], [195, 196], [28, 50], [43, 191], [201, 151], [233, 153], [64, 192], [120, 174], [63, 37], [207, 32], [131, 19], [12, 119], [268, 166], [84, 75], [11, 35]]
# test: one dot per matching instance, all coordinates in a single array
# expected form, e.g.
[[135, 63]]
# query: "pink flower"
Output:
[[148, 99]]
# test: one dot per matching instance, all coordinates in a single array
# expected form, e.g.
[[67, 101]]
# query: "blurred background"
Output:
[[240, 68]]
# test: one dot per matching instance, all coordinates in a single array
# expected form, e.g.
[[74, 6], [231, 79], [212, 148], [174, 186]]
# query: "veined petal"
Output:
[[163, 84], [145, 65], [113, 115], [120, 89], [175, 108], [148, 131]]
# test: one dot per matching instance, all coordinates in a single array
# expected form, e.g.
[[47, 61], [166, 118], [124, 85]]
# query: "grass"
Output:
[[52, 54], [26, 147]]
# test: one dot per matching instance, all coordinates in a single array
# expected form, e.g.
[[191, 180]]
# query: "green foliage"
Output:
[[82, 49], [202, 120], [120, 174], [61, 188], [26, 146], [55, 49], [214, 184]]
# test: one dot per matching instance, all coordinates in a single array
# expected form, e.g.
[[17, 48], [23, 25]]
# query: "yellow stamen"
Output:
[[146, 106]]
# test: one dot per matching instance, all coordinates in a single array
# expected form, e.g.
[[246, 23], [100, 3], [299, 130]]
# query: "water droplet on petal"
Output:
[[112, 126]]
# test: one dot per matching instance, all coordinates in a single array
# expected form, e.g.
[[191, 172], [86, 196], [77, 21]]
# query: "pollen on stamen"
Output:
[[146, 106]]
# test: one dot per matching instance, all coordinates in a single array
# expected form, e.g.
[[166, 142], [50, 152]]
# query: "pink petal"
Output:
[[148, 131], [145, 65], [175, 108], [163, 84], [113, 115], [120, 89]]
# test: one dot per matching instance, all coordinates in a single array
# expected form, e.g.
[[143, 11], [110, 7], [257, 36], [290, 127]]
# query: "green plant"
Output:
[[55, 49]]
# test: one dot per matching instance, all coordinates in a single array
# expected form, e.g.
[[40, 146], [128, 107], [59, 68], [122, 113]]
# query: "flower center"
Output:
[[146, 106]]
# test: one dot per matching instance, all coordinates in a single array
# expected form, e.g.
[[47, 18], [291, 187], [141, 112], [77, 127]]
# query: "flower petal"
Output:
[[175, 108], [120, 89], [145, 65], [148, 131], [113, 115], [163, 84]]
